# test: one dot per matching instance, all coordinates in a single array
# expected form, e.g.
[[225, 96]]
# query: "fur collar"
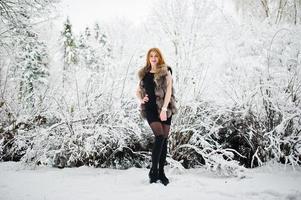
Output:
[[162, 70]]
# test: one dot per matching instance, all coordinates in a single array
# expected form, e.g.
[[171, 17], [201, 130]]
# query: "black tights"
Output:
[[159, 152], [159, 128]]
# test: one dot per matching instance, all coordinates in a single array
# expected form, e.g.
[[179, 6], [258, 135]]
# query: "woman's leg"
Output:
[[162, 160], [157, 148], [157, 128], [166, 129]]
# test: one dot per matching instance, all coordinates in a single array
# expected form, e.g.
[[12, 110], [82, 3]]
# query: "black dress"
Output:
[[151, 109]]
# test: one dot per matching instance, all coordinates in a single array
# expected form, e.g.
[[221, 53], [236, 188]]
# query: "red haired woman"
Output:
[[157, 105]]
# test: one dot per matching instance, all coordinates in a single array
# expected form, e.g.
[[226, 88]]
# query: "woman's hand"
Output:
[[163, 116], [145, 99]]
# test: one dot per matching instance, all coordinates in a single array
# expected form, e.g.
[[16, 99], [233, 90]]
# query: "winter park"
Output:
[[149, 99]]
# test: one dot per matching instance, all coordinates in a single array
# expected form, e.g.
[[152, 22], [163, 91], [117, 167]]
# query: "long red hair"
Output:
[[160, 56], [147, 66]]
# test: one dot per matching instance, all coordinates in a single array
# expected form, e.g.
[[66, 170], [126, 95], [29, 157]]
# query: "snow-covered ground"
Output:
[[18, 182]]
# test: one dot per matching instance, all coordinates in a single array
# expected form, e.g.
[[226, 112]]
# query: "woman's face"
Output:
[[153, 58]]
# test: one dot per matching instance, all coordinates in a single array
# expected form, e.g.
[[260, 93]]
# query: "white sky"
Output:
[[83, 13]]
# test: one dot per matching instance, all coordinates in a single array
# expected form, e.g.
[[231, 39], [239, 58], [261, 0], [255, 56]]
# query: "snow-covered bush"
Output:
[[195, 140], [112, 140], [267, 85]]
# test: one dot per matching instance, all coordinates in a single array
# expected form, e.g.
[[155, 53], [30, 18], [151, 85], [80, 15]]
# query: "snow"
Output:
[[20, 182]]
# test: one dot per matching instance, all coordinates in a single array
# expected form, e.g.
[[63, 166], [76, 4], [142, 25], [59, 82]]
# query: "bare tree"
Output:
[[184, 26], [276, 12], [265, 7], [17, 15]]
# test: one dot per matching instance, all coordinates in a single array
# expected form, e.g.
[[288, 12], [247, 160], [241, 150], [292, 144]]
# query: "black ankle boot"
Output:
[[156, 153], [161, 176], [153, 175]]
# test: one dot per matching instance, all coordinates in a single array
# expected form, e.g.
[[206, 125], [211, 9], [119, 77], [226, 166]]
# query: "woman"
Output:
[[157, 104]]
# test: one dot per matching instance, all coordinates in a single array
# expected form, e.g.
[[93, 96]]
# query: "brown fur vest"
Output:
[[160, 90]]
